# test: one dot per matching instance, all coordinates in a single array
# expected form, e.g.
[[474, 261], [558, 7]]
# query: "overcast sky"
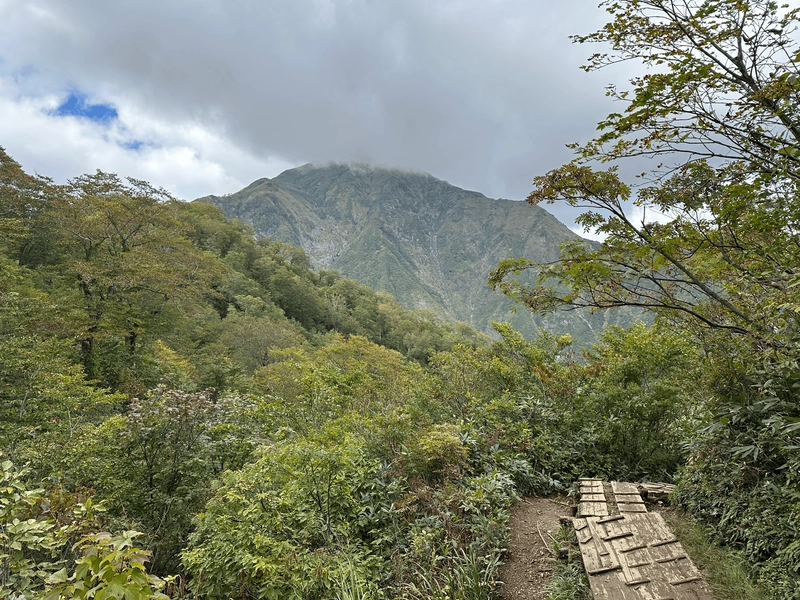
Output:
[[204, 96]]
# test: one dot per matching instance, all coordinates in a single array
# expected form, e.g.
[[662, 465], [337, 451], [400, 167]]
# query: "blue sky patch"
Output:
[[77, 105], [133, 145]]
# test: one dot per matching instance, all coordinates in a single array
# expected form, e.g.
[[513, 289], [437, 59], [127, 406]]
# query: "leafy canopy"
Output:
[[715, 242]]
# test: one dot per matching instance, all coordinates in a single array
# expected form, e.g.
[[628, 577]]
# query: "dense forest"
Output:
[[189, 412], [271, 431]]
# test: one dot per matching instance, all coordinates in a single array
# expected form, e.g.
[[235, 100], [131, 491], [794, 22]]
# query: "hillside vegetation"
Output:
[[427, 242], [270, 431], [187, 412]]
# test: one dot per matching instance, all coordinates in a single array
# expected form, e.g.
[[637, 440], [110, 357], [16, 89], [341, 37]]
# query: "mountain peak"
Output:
[[429, 243]]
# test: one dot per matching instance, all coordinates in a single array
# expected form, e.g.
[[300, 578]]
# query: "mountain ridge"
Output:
[[429, 243]]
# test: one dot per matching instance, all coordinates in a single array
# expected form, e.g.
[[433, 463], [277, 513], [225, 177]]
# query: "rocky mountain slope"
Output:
[[429, 243]]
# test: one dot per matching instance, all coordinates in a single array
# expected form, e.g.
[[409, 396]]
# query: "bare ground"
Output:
[[528, 564]]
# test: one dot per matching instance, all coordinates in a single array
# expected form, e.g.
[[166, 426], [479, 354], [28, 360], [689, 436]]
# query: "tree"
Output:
[[282, 527], [129, 255], [22, 198], [42, 391], [725, 84], [715, 246], [154, 465], [38, 556], [722, 96], [646, 390]]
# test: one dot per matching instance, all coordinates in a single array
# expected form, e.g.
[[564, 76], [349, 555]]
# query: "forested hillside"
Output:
[[427, 242], [188, 412], [274, 432], [271, 431]]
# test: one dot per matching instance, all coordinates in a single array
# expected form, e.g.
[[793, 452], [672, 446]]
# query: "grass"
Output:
[[725, 569], [569, 580]]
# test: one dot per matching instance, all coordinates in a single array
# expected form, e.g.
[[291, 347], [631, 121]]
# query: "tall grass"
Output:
[[725, 570], [569, 580]]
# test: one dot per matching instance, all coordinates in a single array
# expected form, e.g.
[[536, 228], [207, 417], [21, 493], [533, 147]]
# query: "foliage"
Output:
[[726, 570], [110, 567], [569, 580], [757, 515], [38, 559], [27, 544], [439, 453], [21, 200], [153, 465], [42, 390], [279, 432], [712, 248], [569, 583], [285, 526], [721, 92], [647, 392]]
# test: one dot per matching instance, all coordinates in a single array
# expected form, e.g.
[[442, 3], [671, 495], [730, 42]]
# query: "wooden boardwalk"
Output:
[[630, 553]]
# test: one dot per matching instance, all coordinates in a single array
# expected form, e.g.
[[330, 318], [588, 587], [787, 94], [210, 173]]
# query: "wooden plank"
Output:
[[592, 509], [685, 580], [632, 508], [596, 557], [658, 487], [611, 518], [598, 497], [636, 555], [628, 498], [592, 499], [620, 487], [579, 524], [618, 536], [598, 532], [650, 528], [672, 558]]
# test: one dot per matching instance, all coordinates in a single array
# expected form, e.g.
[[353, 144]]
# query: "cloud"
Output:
[[187, 159], [482, 93]]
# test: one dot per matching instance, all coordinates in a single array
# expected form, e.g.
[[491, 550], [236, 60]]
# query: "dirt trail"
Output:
[[528, 564]]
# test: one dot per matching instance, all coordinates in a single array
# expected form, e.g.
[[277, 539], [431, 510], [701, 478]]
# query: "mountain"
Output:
[[427, 242]]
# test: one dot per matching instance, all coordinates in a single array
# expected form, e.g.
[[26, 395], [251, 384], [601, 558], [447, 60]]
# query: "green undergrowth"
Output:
[[569, 580], [277, 433], [726, 570]]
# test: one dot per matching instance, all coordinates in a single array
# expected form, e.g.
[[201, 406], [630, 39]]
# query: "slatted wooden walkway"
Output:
[[629, 553]]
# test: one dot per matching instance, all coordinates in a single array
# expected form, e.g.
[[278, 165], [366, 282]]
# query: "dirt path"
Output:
[[528, 566]]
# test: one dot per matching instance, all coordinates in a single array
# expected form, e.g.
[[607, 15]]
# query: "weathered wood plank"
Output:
[[635, 555], [653, 492], [628, 498], [599, 497], [596, 556], [592, 501], [611, 518], [592, 509], [620, 487]]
